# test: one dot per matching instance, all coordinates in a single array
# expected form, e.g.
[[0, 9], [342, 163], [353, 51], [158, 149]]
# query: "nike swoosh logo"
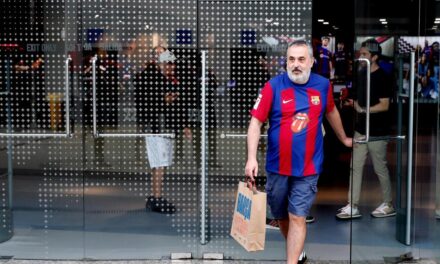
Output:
[[286, 101]]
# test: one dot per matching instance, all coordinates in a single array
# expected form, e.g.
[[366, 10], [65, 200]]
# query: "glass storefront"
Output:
[[407, 41], [123, 129]]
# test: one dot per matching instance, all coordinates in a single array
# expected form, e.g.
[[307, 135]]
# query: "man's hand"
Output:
[[251, 171], [358, 108], [348, 142], [348, 102]]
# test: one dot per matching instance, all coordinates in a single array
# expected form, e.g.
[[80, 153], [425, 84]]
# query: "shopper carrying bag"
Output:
[[249, 219]]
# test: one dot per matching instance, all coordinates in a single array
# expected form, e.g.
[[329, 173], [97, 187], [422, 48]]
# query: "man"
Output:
[[295, 103], [379, 126], [160, 104]]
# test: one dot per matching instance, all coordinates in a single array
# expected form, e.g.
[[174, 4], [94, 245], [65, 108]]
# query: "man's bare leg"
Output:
[[284, 227], [157, 174], [294, 230]]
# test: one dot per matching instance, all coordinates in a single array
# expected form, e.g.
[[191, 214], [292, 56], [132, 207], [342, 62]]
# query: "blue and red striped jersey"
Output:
[[295, 112], [323, 61]]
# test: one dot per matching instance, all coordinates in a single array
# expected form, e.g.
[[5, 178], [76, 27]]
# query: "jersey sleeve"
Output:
[[263, 104], [330, 100]]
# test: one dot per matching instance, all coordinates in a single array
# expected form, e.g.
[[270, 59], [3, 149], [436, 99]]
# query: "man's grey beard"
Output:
[[299, 79]]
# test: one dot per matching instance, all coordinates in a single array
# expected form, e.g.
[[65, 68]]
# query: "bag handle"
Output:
[[251, 184]]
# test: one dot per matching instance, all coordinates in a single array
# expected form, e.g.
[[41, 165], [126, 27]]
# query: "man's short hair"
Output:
[[373, 47], [301, 42], [325, 37]]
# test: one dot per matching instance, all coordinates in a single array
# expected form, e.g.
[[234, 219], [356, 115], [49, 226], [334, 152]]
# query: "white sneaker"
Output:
[[348, 212], [437, 214], [302, 258], [384, 210]]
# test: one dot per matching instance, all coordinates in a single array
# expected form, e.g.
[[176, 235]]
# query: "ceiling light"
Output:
[[325, 23], [437, 22], [382, 19], [320, 20], [384, 22]]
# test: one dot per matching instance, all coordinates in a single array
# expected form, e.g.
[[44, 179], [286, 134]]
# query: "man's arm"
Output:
[[334, 119], [253, 138], [382, 106]]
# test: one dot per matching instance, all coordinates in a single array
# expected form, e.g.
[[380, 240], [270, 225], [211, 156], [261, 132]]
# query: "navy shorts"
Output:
[[289, 194]]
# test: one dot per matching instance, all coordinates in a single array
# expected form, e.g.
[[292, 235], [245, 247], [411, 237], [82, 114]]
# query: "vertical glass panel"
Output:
[[43, 166], [425, 169], [379, 166], [427, 226], [246, 43], [389, 183], [141, 170], [436, 228], [411, 232]]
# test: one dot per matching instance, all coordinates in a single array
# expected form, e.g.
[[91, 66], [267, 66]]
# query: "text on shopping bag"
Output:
[[244, 206]]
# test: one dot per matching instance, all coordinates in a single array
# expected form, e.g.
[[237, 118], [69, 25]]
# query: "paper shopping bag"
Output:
[[249, 219]]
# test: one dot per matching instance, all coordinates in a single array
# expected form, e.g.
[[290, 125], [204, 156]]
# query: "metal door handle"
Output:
[[96, 134], [367, 109], [410, 151], [66, 134], [231, 135], [372, 139]]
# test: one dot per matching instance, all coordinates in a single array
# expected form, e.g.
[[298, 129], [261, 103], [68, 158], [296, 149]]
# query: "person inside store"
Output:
[[381, 90], [159, 110]]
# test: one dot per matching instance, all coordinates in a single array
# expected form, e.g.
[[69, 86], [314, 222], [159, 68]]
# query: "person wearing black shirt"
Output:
[[160, 109], [380, 94]]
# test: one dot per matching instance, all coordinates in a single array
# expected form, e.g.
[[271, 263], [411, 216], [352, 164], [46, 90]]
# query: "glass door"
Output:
[[427, 225], [245, 44], [391, 194], [123, 123], [40, 141], [141, 89]]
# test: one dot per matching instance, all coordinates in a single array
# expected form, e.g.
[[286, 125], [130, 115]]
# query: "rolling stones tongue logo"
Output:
[[300, 122]]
